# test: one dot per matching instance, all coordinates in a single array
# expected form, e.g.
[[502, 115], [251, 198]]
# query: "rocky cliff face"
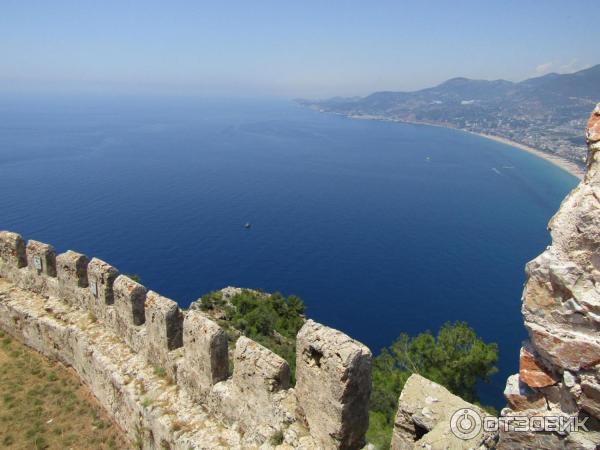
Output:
[[559, 365], [559, 370]]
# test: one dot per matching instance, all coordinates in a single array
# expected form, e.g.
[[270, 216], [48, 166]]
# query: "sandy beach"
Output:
[[564, 164]]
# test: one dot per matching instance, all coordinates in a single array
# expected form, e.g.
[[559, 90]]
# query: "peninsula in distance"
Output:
[[546, 113]]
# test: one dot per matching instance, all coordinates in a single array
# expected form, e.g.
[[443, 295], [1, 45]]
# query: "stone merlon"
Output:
[[333, 384]]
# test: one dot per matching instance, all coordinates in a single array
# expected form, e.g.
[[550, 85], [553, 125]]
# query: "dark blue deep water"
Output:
[[381, 228]]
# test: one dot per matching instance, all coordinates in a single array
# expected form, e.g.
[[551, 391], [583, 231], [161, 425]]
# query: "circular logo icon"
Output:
[[465, 424]]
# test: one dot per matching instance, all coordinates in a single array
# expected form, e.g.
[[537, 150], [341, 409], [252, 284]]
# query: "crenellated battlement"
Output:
[[328, 407]]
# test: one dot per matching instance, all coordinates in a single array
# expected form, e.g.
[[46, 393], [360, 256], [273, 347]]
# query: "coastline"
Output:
[[564, 164]]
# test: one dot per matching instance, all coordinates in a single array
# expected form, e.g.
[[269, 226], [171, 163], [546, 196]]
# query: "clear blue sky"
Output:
[[288, 48]]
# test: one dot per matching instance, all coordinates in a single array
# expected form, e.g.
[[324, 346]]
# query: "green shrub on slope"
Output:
[[271, 320], [456, 358]]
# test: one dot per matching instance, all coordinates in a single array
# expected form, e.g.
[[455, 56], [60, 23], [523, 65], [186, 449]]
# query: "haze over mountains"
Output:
[[547, 112]]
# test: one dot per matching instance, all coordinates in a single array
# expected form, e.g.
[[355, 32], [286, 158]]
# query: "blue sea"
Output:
[[381, 228]]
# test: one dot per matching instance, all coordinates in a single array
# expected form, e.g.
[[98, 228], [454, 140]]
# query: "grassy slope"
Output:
[[44, 405]]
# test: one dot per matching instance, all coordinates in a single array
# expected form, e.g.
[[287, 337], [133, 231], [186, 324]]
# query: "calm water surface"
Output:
[[381, 228]]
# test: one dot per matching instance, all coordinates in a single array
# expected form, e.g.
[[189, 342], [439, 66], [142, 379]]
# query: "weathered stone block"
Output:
[[257, 371], [12, 252], [129, 311], [41, 258], [520, 397], [565, 348], [424, 418], [101, 278], [531, 370], [590, 398], [259, 387], [164, 325], [560, 398], [206, 355], [333, 384], [129, 298], [40, 275], [71, 269], [509, 439]]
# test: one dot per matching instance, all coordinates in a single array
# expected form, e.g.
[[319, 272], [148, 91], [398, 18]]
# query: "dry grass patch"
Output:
[[44, 406]]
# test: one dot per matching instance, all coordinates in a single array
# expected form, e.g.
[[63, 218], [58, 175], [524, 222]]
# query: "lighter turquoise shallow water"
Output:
[[381, 228]]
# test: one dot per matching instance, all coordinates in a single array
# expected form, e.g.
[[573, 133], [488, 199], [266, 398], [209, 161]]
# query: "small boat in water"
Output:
[[247, 225]]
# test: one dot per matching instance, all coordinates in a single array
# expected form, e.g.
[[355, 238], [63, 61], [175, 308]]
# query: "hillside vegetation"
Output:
[[456, 358], [271, 320]]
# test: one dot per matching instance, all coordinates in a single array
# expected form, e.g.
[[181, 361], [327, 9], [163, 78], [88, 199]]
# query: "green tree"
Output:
[[456, 358], [271, 320]]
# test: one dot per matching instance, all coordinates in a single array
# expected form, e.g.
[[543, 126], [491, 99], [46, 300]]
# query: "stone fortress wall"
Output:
[[163, 373]]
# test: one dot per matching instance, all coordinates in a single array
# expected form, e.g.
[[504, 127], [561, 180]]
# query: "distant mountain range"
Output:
[[547, 112]]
